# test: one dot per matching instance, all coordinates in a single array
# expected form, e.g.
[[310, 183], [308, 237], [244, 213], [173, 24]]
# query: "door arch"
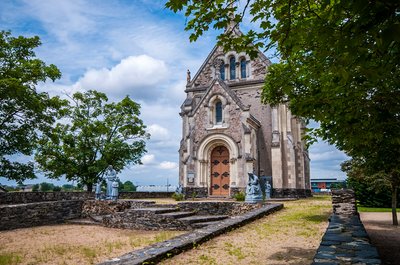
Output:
[[220, 172]]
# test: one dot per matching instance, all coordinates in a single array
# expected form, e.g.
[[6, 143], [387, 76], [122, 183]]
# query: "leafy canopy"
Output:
[[23, 111], [340, 66], [94, 135]]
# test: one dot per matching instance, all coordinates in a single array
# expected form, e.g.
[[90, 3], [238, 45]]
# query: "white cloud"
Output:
[[138, 76], [157, 132], [168, 165], [148, 159]]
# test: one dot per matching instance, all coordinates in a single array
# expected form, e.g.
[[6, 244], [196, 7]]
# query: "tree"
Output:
[[45, 187], [96, 134], [339, 66], [128, 186], [23, 111], [35, 187]]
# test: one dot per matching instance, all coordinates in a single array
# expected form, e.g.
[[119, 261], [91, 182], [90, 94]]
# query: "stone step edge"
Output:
[[202, 218], [166, 249], [178, 214], [204, 224]]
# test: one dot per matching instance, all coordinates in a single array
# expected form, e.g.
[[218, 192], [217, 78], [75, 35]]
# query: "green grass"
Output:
[[362, 209], [9, 259]]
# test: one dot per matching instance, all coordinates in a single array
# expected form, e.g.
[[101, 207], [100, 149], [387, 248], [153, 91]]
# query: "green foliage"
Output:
[[240, 196], [98, 134], [35, 187], [178, 196], [56, 188], [128, 186], [339, 66], [68, 187], [23, 111], [45, 187]]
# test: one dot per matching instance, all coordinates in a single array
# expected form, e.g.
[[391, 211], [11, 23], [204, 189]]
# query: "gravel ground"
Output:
[[384, 236]]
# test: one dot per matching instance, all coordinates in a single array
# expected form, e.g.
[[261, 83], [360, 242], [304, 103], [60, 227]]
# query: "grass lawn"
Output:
[[362, 209], [289, 236], [72, 244]]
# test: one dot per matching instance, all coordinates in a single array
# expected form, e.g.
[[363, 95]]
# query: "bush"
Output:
[[35, 187], [240, 196], [178, 196], [57, 188]]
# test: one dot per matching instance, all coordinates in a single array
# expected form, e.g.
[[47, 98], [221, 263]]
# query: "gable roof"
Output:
[[225, 87], [235, 31]]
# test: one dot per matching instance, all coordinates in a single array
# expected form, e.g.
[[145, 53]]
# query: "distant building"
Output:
[[324, 184]]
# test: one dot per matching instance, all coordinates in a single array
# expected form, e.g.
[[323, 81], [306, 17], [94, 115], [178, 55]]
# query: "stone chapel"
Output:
[[227, 131]]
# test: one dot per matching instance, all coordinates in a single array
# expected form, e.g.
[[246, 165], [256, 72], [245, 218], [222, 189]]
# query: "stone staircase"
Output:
[[189, 219]]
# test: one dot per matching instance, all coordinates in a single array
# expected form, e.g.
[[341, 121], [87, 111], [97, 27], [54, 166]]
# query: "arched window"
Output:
[[222, 71], [243, 68], [218, 112], [232, 67]]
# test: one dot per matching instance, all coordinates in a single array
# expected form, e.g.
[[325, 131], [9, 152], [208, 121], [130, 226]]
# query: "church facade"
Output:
[[227, 132]]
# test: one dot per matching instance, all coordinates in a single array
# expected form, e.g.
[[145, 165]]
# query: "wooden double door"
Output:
[[220, 176]]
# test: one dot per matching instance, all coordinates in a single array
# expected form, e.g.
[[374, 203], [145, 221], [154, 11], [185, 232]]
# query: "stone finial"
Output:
[[188, 76]]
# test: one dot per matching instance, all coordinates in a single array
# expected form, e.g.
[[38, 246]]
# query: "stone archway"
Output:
[[220, 172], [204, 163]]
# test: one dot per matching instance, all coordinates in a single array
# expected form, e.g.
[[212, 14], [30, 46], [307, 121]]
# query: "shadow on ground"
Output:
[[291, 255]]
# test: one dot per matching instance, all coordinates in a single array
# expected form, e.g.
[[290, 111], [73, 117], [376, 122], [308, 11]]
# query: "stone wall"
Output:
[[92, 207], [291, 193], [145, 195], [29, 197], [344, 202], [218, 208], [39, 213], [345, 240]]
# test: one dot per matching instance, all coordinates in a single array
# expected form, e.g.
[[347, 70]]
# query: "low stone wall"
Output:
[[291, 193], [345, 240], [30, 197], [92, 207], [144, 195], [218, 208], [144, 220], [39, 213]]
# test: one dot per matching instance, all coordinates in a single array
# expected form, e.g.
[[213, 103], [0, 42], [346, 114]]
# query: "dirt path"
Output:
[[384, 236]]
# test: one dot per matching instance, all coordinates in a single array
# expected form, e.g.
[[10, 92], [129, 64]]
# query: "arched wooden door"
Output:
[[220, 177]]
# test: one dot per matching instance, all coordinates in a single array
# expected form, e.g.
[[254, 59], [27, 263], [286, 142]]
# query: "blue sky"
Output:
[[136, 48]]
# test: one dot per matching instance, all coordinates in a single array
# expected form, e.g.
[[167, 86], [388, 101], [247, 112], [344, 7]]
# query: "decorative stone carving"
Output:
[[253, 190]]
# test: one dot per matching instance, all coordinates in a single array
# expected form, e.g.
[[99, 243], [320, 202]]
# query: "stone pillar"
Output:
[[276, 153], [344, 202]]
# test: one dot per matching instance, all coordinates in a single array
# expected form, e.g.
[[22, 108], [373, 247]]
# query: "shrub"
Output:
[[178, 196], [57, 188], [240, 196]]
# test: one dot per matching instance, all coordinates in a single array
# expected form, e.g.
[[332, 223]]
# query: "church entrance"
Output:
[[220, 171]]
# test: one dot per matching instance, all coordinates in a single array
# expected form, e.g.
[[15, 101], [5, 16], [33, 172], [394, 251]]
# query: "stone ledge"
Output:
[[159, 251]]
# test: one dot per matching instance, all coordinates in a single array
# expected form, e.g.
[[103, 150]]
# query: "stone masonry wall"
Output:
[[345, 240], [217, 208], [39, 213], [29, 197]]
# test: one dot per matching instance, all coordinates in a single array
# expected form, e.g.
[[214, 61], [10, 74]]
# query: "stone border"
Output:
[[159, 251]]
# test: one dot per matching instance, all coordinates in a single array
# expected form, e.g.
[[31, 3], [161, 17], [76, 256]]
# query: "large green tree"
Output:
[[23, 111], [93, 135], [339, 65]]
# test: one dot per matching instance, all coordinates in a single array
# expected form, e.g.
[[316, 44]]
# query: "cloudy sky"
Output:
[[136, 48]]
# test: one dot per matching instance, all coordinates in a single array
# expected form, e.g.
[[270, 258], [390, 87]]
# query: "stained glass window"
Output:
[[222, 71], [232, 67], [243, 68], [218, 112]]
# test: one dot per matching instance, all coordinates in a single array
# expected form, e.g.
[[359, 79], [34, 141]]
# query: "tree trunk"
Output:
[[89, 187], [394, 204]]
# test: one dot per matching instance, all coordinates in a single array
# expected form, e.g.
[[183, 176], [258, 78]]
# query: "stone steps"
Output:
[[203, 218], [204, 224], [157, 210], [177, 215]]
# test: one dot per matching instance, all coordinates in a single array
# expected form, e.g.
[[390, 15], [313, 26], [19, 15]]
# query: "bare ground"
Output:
[[72, 244], [384, 236]]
